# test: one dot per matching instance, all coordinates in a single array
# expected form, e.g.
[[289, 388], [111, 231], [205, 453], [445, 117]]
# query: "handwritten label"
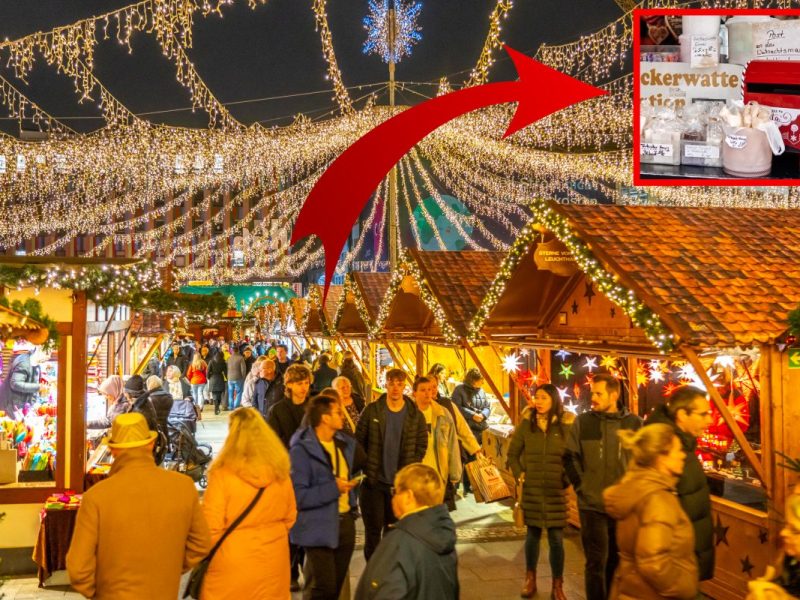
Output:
[[698, 151], [664, 150], [776, 40], [737, 142], [705, 51]]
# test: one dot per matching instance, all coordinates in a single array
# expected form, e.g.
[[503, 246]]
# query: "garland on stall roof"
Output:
[[641, 315], [408, 267], [33, 308], [106, 285], [351, 287], [206, 306]]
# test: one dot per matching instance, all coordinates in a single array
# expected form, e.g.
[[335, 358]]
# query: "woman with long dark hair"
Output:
[[536, 457]]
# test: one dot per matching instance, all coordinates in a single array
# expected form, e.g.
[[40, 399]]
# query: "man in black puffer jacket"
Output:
[[394, 434], [689, 412], [594, 460]]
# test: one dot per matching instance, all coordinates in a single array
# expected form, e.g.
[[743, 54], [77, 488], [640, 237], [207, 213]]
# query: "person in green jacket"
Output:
[[536, 457]]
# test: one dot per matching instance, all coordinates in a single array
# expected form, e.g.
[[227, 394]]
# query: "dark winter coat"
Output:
[[540, 456], [594, 458], [315, 489], [183, 413], [372, 427], [416, 561], [472, 401], [694, 495], [217, 370], [181, 361], [237, 367], [120, 407], [285, 418], [21, 384], [358, 383], [323, 378], [153, 367], [162, 403], [186, 389], [144, 407], [267, 394]]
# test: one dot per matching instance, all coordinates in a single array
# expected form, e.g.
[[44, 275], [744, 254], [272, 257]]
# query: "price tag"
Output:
[[737, 142], [218, 163], [705, 51], [20, 163], [2, 164], [697, 151], [664, 150]]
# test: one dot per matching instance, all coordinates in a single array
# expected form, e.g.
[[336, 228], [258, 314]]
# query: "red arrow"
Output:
[[347, 184]]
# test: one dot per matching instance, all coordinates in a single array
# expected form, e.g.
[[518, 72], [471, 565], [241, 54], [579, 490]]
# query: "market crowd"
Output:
[[308, 452]]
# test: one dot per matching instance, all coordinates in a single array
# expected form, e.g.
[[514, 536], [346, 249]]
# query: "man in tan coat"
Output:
[[140, 529]]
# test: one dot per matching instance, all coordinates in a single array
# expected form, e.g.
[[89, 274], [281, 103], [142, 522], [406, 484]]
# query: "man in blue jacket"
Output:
[[323, 463], [417, 560]]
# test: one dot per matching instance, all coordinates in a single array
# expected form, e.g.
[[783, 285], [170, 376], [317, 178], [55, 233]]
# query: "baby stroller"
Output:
[[186, 455]]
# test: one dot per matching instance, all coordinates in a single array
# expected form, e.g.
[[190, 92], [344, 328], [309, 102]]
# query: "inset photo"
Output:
[[717, 97]]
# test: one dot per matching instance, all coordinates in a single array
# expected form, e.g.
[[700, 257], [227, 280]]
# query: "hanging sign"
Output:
[[218, 164], [180, 167], [60, 163], [555, 257], [199, 163], [20, 163], [705, 51], [2, 164], [794, 358], [776, 40]]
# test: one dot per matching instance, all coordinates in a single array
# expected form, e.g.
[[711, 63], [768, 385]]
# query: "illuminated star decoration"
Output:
[[571, 407], [609, 362], [511, 363], [656, 375], [407, 31], [563, 354], [641, 376], [564, 393], [590, 364], [566, 371], [724, 361]]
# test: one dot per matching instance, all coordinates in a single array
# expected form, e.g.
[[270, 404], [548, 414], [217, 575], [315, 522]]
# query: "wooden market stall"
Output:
[[318, 324], [90, 345], [663, 297], [425, 314]]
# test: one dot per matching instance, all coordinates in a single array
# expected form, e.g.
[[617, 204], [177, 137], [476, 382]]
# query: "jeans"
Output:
[[199, 394], [234, 394], [326, 568], [555, 539], [376, 511], [598, 535]]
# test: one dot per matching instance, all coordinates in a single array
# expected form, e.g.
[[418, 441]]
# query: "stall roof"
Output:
[[335, 293], [718, 276], [458, 281], [16, 325], [372, 287], [319, 320]]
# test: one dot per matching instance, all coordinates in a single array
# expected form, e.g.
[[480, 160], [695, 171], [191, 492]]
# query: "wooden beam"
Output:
[[485, 374], [728, 418], [386, 345], [364, 372], [773, 429], [150, 351], [77, 445], [633, 389], [420, 359]]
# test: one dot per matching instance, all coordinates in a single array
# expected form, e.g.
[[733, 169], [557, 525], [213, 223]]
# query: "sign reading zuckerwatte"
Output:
[[676, 84]]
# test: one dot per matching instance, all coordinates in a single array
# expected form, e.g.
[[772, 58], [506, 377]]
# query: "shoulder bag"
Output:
[[195, 583]]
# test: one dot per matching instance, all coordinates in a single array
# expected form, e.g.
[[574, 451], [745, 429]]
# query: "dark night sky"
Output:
[[275, 50]]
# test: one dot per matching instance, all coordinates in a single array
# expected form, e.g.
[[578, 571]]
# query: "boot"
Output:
[[529, 589], [558, 589]]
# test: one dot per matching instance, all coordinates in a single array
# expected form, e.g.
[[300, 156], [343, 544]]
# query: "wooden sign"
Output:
[[555, 257]]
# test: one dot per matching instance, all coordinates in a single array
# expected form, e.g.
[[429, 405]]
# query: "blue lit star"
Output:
[[590, 364], [563, 354], [407, 31]]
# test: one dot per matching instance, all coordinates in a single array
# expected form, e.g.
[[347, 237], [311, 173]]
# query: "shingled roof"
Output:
[[372, 287], [459, 281], [331, 303], [716, 276]]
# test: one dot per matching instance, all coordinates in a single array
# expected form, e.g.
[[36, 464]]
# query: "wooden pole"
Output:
[[420, 359], [726, 415], [77, 443]]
